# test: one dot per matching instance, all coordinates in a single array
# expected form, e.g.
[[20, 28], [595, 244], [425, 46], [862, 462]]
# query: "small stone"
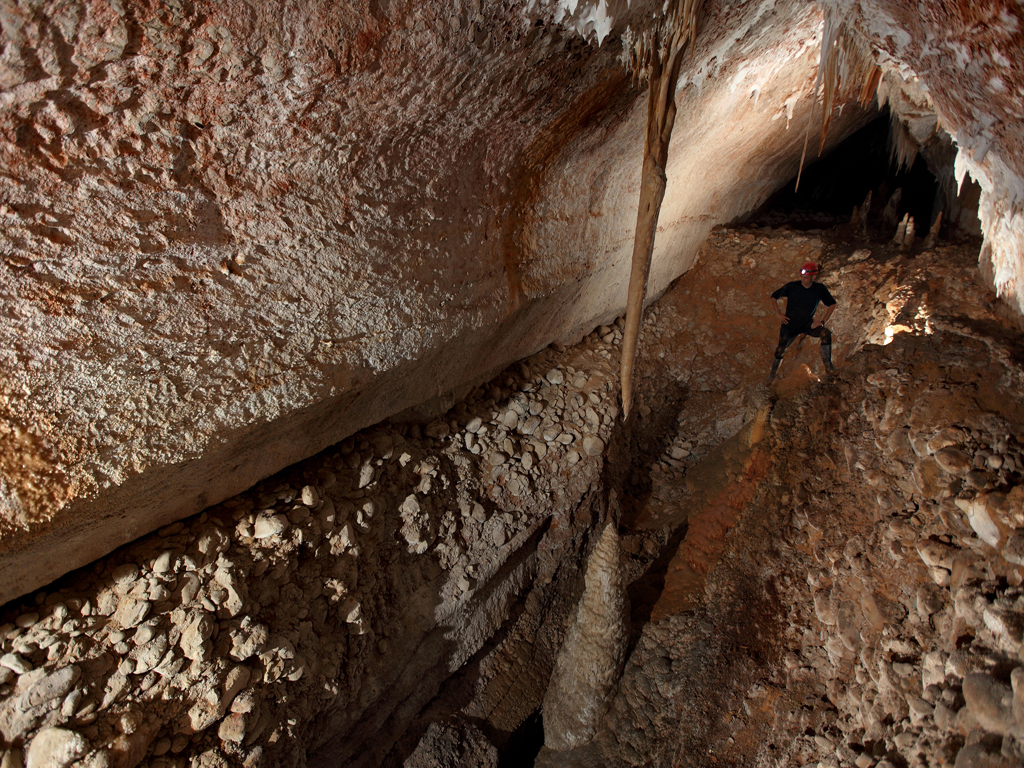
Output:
[[194, 637], [593, 445], [945, 438], [163, 564], [565, 438], [269, 525], [55, 748], [130, 721], [929, 599], [977, 479], [365, 474], [298, 515], [510, 419], [989, 701], [919, 707], [248, 638], [573, 456], [527, 461], [15, 663], [232, 728], [56, 685], [350, 610], [530, 425], [474, 424], [554, 376], [131, 612], [125, 575], [244, 702], [190, 585], [437, 430], [936, 554], [26, 620], [310, 496], [953, 460]]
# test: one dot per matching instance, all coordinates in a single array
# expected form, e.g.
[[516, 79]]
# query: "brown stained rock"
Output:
[[982, 756], [990, 702], [953, 460]]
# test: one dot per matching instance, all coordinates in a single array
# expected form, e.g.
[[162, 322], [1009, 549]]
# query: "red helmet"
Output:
[[810, 268]]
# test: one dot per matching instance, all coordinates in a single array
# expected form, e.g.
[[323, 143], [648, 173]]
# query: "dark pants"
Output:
[[788, 333]]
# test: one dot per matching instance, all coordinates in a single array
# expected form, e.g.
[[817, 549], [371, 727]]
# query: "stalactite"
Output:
[[903, 150], [845, 63], [655, 56]]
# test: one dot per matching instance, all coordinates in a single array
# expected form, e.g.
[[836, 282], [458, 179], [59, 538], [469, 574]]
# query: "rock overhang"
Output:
[[235, 236]]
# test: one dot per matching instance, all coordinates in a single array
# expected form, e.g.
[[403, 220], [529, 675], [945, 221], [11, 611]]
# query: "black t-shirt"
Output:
[[801, 302]]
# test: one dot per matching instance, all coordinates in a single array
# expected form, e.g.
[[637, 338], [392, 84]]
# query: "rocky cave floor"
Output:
[[823, 571]]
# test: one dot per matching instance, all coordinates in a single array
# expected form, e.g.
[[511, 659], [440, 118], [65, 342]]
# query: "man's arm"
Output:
[[780, 310], [824, 318]]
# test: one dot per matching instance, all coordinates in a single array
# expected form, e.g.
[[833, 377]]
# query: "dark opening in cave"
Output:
[[830, 187], [524, 744]]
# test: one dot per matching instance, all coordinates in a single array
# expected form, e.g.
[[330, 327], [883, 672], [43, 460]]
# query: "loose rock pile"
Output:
[[914, 527], [222, 639]]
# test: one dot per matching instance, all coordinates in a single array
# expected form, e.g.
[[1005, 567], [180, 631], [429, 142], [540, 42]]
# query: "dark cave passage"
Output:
[[831, 186]]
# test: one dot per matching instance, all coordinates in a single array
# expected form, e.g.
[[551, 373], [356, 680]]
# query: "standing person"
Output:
[[802, 298]]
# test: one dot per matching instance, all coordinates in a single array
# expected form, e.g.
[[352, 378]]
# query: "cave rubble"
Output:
[[763, 534]]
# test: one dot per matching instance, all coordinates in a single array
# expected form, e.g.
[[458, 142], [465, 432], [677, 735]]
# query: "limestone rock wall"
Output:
[[966, 57], [234, 233]]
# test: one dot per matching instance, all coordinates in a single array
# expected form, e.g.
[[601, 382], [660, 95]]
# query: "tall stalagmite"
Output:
[[591, 659]]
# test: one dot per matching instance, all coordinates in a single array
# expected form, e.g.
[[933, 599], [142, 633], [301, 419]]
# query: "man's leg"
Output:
[[826, 346], [784, 341]]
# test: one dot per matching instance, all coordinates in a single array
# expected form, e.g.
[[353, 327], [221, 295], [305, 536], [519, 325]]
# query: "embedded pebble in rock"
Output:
[[593, 445], [555, 377]]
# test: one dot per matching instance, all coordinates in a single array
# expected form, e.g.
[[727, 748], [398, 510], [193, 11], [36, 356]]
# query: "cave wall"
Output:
[[235, 233], [965, 61]]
